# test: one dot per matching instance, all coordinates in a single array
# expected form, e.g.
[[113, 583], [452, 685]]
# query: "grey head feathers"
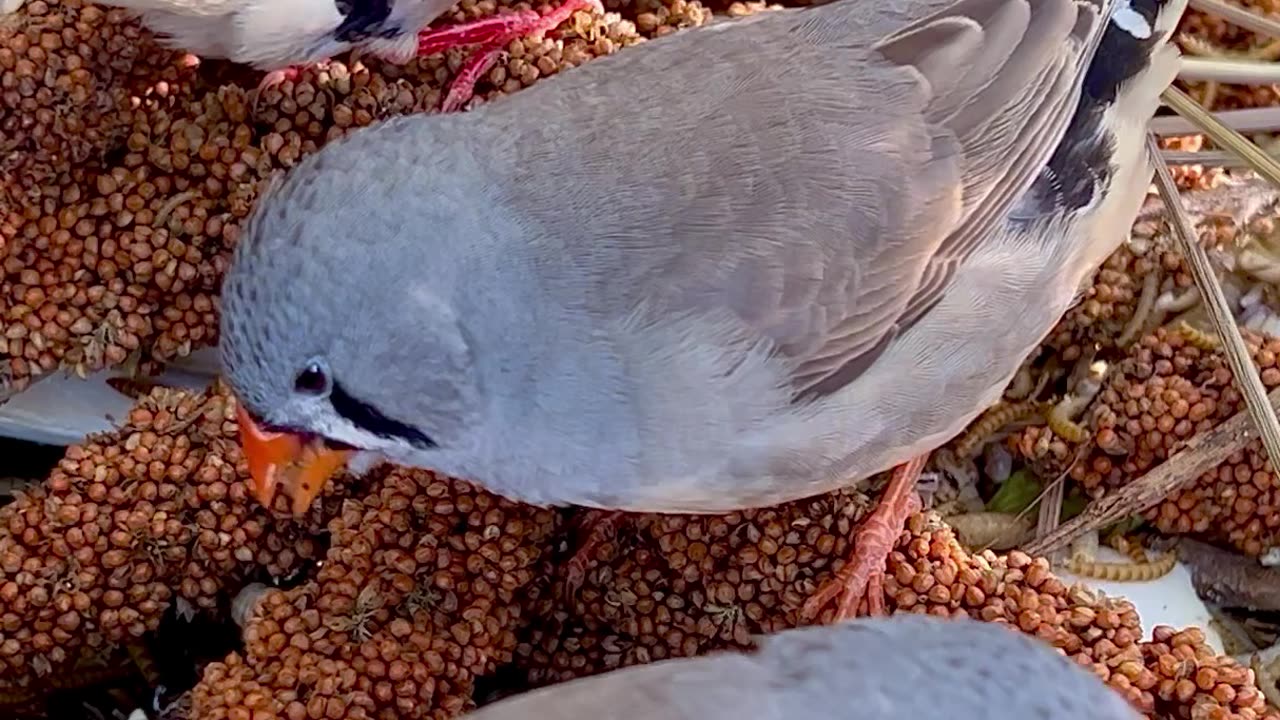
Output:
[[354, 397]]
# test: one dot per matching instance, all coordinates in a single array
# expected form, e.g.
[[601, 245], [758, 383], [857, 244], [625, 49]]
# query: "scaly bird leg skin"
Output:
[[492, 35], [601, 526], [480, 32], [863, 575], [463, 86]]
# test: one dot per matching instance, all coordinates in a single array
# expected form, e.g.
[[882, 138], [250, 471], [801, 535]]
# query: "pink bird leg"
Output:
[[463, 86], [492, 35], [275, 77], [862, 576]]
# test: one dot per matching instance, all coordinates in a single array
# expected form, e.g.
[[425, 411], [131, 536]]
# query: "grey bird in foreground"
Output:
[[278, 35], [907, 666], [766, 259]]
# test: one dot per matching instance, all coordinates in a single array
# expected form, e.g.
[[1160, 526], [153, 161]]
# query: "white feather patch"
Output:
[[1131, 21]]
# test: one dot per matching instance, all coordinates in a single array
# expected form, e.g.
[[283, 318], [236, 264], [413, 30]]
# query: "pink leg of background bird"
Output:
[[275, 77], [862, 576], [600, 525], [492, 35]]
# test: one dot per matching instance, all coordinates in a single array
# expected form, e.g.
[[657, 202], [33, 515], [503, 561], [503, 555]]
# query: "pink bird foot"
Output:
[[862, 577], [492, 35], [275, 77], [601, 526]]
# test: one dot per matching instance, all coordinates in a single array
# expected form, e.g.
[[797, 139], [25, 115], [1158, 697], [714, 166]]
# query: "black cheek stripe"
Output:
[[364, 21], [368, 418]]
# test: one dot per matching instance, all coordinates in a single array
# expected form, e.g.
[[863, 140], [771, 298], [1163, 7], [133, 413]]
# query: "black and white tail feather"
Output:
[[1101, 169]]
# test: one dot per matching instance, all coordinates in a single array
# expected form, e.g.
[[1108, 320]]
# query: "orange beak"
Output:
[[283, 457]]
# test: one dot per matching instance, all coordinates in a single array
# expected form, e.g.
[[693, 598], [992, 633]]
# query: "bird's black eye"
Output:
[[312, 380]]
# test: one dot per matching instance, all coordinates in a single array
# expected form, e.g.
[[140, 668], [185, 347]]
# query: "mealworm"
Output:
[[1197, 337], [1125, 546], [991, 422], [1171, 302], [1146, 303], [1266, 678], [1061, 418], [1258, 260], [1068, 430], [1124, 571]]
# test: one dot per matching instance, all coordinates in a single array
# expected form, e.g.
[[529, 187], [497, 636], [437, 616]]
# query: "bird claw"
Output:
[[463, 86], [492, 35], [274, 79], [927, 487], [862, 577]]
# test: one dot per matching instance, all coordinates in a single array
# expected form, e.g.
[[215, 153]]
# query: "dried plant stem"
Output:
[[1226, 70], [1246, 121], [1202, 453], [1223, 136], [1246, 376], [1209, 158], [1050, 508], [1237, 15]]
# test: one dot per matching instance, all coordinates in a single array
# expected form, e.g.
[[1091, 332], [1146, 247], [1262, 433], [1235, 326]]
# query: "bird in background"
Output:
[[819, 243], [279, 36], [907, 666]]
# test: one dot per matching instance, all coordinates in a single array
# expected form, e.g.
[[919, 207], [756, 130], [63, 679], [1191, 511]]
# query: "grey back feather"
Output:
[[899, 154], [907, 666]]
